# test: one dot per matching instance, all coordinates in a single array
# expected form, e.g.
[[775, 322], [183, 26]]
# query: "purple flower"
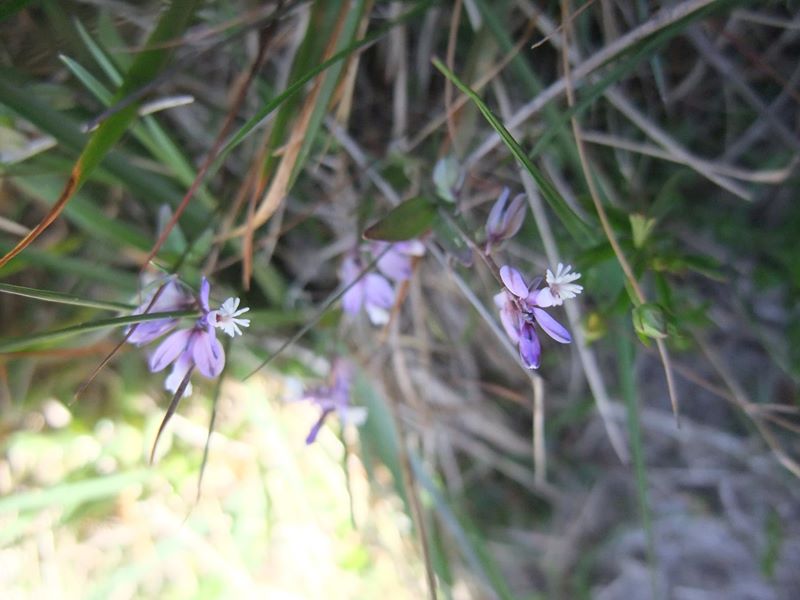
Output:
[[172, 297], [520, 314], [189, 348], [196, 347], [335, 398], [372, 291], [396, 262], [505, 219]]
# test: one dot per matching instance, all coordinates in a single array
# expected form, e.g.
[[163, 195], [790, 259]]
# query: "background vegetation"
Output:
[[656, 144]]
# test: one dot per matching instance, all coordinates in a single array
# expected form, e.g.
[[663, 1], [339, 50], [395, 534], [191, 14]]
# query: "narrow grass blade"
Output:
[[173, 406], [58, 297], [25, 341], [579, 230], [628, 390]]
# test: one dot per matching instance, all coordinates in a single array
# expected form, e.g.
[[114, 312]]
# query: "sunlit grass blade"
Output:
[[580, 231], [19, 343], [58, 297], [147, 64]]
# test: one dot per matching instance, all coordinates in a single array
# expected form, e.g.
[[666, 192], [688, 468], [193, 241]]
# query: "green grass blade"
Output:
[[628, 390], [59, 298], [26, 341], [580, 231], [464, 533], [103, 61]]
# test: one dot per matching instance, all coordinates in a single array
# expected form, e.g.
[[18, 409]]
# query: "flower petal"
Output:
[[378, 291], [494, 222], [552, 327], [312, 435], [513, 281], [509, 317], [353, 299], [395, 265], [207, 353], [170, 349], [147, 331], [205, 290], [377, 314], [352, 415], [545, 298], [514, 217], [179, 370], [530, 349]]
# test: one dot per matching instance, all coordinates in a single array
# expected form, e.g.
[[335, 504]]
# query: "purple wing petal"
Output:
[[514, 217], [353, 299], [530, 350], [509, 317], [205, 290], [395, 265], [147, 331], [552, 327], [494, 222], [513, 281], [175, 378], [169, 350], [207, 353], [378, 291]]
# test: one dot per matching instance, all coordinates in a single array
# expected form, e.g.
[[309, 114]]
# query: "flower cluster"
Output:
[[522, 306], [374, 291], [193, 347], [335, 397]]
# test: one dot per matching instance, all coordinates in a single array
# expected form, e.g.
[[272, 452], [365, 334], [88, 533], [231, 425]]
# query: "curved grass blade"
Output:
[[579, 230], [21, 342], [173, 406], [144, 68], [628, 390], [58, 297]]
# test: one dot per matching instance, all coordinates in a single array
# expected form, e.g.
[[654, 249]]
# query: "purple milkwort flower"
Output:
[[194, 347], [335, 398], [372, 291], [173, 297], [189, 348], [396, 262], [520, 313], [505, 219]]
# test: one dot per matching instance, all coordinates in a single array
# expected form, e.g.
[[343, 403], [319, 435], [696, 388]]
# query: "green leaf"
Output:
[[641, 227], [649, 321], [408, 220]]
